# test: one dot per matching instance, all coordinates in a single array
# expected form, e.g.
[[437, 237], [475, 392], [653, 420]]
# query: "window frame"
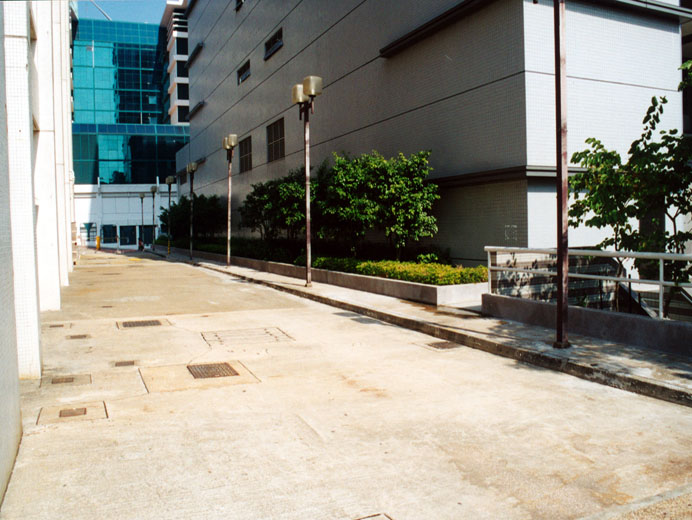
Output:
[[276, 148], [245, 154], [244, 72], [273, 44]]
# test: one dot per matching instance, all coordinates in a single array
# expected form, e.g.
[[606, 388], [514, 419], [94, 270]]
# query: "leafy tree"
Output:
[[258, 211], [348, 201], [405, 200], [210, 216], [654, 185]]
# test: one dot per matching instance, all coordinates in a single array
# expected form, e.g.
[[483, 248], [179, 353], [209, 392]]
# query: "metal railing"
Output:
[[660, 257]]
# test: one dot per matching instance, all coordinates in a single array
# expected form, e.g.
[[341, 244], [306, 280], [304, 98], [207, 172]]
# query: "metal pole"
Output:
[[229, 158], [141, 233], [153, 221], [169, 220], [561, 340], [306, 107], [661, 288], [192, 200]]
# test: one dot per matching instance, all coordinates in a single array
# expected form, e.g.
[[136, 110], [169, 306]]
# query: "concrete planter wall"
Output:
[[674, 337], [418, 292]]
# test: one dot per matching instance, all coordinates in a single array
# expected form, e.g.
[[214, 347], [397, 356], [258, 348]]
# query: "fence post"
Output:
[[660, 288], [490, 276]]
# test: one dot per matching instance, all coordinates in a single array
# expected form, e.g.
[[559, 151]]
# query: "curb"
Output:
[[626, 382]]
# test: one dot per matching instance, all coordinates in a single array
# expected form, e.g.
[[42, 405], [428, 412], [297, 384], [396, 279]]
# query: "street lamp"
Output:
[[304, 95], [229, 143], [141, 199], [169, 180], [153, 190], [191, 169]]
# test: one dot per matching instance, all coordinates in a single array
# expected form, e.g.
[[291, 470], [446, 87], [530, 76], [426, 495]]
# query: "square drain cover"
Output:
[[443, 345], [78, 336], [212, 370], [72, 412], [141, 323], [62, 380], [129, 363]]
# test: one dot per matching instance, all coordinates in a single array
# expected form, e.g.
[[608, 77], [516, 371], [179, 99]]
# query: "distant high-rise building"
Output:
[[124, 142]]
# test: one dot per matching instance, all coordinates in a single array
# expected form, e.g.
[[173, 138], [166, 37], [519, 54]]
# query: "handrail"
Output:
[[661, 257]]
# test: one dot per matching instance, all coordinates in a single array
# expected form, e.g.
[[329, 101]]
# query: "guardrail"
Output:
[[660, 257]]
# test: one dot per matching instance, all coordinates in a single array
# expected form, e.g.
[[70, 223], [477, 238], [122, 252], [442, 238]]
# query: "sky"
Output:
[[140, 11]]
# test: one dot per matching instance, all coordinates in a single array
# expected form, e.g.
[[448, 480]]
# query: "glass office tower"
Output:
[[120, 133]]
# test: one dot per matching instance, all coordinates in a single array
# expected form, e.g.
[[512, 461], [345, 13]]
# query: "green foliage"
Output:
[[653, 186], [277, 206], [431, 273], [210, 217], [405, 200]]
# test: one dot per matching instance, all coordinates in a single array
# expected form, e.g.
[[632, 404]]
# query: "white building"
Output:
[[36, 208], [472, 81]]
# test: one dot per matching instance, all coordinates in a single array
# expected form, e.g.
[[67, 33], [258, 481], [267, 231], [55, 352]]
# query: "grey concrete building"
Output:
[[472, 80]]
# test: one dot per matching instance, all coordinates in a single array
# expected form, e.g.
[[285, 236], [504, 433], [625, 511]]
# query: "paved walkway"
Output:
[[639, 370], [326, 414]]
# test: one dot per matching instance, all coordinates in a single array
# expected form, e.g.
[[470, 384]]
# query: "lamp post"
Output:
[[561, 164], [229, 143], [153, 190], [141, 199], [304, 95], [191, 169], [169, 180]]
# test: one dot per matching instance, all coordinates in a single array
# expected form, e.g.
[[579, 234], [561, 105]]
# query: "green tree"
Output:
[[654, 186], [406, 200], [210, 217]]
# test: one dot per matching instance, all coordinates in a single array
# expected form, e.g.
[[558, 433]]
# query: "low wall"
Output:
[[419, 292], [674, 337]]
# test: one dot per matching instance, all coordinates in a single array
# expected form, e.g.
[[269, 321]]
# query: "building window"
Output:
[[183, 91], [181, 46], [244, 72], [273, 44], [181, 70], [183, 113], [275, 141], [245, 151], [239, 4]]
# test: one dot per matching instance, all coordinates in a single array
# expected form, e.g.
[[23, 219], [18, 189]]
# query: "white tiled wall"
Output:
[[10, 424], [22, 197]]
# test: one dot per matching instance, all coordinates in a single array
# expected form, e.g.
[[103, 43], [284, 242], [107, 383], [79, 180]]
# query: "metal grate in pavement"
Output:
[[78, 336], [72, 412], [62, 380], [56, 326], [236, 337], [128, 363], [141, 323], [207, 370]]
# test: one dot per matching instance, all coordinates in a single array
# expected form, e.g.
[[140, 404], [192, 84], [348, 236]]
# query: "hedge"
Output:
[[433, 274]]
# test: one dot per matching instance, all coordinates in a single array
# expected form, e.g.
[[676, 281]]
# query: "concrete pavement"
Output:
[[333, 415]]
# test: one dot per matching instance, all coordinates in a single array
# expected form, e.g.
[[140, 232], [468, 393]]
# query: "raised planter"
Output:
[[418, 292]]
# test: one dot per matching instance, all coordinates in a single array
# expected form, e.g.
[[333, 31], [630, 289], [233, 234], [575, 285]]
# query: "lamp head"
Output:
[[153, 189], [191, 167], [297, 94], [230, 141], [141, 196], [170, 180], [312, 86]]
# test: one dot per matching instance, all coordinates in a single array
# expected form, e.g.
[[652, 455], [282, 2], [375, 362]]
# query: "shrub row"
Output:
[[433, 274]]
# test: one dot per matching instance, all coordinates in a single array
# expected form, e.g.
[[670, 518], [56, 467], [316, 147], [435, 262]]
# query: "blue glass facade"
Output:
[[120, 104]]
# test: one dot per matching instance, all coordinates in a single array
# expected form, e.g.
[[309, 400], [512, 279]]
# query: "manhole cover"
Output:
[[443, 345], [72, 412], [142, 323], [211, 370], [78, 336], [245, 336], [129, 363], [62, 380]]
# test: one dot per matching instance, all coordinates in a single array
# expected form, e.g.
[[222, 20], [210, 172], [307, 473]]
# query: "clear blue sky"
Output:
[[141, 11]]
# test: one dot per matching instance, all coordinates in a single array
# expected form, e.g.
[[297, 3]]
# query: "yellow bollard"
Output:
[[98, 243]]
